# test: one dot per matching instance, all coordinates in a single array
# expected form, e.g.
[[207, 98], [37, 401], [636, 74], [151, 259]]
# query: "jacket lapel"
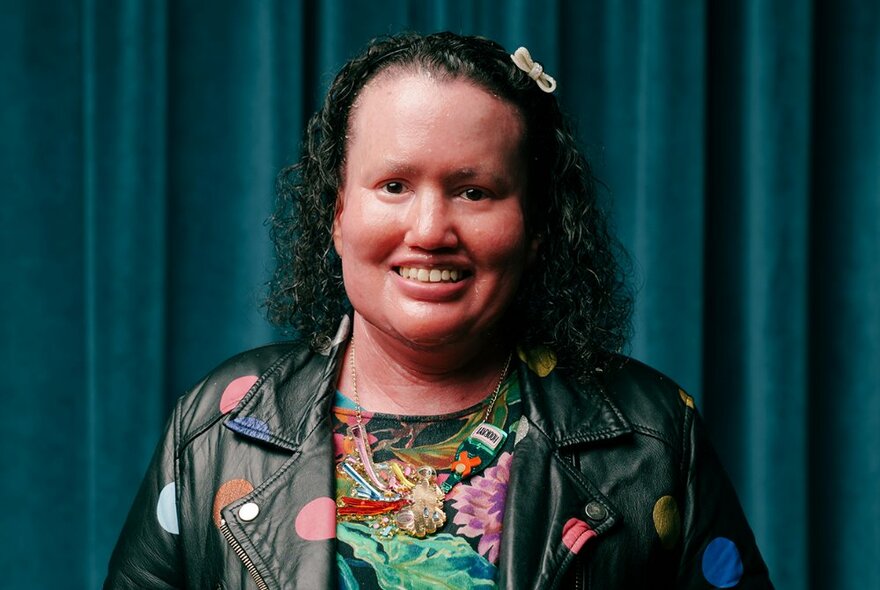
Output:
[[553, 512], [291, 534], [291, 538]]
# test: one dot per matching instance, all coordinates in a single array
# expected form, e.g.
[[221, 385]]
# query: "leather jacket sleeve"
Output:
[[718, 544], [148, 553]]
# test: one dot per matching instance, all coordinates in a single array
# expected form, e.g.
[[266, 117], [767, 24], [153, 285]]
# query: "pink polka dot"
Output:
[[317, 520], [575, 533], [235, 391]]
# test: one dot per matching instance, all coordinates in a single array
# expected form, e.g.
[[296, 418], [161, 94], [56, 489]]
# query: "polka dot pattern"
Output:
[[235, 391], [667, 521], [722, 565], [316, 520], [166, 509], [541, 360], [228, 493], [688, 400], [250, 426], [575, 533], [522, 429]]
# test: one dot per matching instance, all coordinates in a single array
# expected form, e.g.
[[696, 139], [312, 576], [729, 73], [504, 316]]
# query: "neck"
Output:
[[397, 378]]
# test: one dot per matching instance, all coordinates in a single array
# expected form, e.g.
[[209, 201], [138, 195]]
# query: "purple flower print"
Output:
[[479, 505]]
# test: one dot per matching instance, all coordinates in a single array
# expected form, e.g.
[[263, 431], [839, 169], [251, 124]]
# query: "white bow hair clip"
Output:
[[524, 61]]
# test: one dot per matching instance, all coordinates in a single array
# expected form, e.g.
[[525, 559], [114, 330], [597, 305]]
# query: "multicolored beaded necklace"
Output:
[[394, 498]]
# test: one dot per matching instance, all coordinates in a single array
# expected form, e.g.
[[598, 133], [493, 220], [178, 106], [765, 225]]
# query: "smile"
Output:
[[432, 275]]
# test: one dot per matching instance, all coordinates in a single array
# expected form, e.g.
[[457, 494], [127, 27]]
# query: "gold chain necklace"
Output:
[[393, 499]]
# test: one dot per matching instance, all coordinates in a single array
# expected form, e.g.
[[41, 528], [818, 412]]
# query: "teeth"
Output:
[[432, 275]]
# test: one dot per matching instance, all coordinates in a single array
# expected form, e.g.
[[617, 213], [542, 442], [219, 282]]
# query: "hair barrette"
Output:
[[524, 61]]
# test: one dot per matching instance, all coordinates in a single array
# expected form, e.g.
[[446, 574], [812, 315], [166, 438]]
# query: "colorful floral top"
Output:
[[464, 552]]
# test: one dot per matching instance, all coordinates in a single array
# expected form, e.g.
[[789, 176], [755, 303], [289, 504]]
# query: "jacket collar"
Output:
[[570, 415], [545, 531], [566, 415], [277, 411]]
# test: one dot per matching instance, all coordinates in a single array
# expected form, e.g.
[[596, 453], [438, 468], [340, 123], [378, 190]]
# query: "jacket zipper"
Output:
[[239, 550], [578, 575], [579, 570]]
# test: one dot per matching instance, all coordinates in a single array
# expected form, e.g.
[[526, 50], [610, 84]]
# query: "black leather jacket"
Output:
[[583, 507]]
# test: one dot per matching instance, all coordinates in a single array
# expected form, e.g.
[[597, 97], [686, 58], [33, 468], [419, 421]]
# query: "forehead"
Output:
[[417, 118], [414, 83]]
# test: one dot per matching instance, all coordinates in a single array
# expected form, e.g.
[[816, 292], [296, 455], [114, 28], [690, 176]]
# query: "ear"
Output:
[[337, 224]]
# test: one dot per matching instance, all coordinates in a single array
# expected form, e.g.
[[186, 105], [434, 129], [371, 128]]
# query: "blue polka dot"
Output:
[[166, 509], [722, 565], [249, 426]]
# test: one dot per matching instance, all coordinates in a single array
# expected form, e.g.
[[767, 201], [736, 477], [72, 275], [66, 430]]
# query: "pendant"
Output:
[[389, 498], [393, 500], [476, 453], [424, 514]]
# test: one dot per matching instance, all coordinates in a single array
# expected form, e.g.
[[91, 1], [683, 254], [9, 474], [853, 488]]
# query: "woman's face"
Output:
[[430, 220]]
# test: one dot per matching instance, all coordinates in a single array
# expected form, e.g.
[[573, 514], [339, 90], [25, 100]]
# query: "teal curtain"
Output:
[[739, 143]]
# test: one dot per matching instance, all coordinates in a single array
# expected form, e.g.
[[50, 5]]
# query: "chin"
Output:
[[429, 333]]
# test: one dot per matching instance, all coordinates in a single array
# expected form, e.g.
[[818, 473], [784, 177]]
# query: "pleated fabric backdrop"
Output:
[[739, 141]]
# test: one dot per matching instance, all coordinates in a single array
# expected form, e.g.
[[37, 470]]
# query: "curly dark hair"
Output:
[[573, 298]]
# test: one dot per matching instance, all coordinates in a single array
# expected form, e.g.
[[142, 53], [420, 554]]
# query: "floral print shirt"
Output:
[[464, 552]]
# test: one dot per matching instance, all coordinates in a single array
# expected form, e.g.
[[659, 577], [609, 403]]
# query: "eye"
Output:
[[473, 194], [393, 187]]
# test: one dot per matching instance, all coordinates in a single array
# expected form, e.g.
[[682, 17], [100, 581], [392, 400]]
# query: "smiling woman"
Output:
[[458, 416], [433, 184]]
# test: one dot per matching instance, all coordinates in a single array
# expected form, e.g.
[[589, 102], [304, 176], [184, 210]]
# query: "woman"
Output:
[[457, 418]]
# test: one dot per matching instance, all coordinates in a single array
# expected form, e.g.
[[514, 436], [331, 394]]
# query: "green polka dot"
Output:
[[667, 521]]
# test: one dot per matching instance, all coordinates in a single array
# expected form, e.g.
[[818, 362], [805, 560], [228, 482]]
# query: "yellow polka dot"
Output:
[[667, 521], [688, 400], [540, 359]]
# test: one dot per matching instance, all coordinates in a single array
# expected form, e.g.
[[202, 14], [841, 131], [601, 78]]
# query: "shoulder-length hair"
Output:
[[572, 299]]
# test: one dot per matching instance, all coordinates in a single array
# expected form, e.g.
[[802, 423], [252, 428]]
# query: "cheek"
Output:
[[505, 244]]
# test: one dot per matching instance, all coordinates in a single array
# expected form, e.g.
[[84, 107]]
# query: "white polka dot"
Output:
[[166, 509]]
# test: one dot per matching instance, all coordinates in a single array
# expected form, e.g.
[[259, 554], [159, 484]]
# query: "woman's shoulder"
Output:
[[621, 396], [652, 402], [238, 378]]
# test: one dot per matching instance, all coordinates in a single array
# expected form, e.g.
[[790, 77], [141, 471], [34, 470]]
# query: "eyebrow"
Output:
[[462, 174]]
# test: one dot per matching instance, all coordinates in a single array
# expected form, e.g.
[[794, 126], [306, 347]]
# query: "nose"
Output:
[[431, 222]]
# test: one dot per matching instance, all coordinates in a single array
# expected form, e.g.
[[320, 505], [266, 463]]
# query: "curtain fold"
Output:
[[739, 144], [844, 329], [123, 214], [757, 195]]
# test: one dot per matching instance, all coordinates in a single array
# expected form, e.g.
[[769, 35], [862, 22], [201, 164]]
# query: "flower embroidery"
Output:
[[479, 504]]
